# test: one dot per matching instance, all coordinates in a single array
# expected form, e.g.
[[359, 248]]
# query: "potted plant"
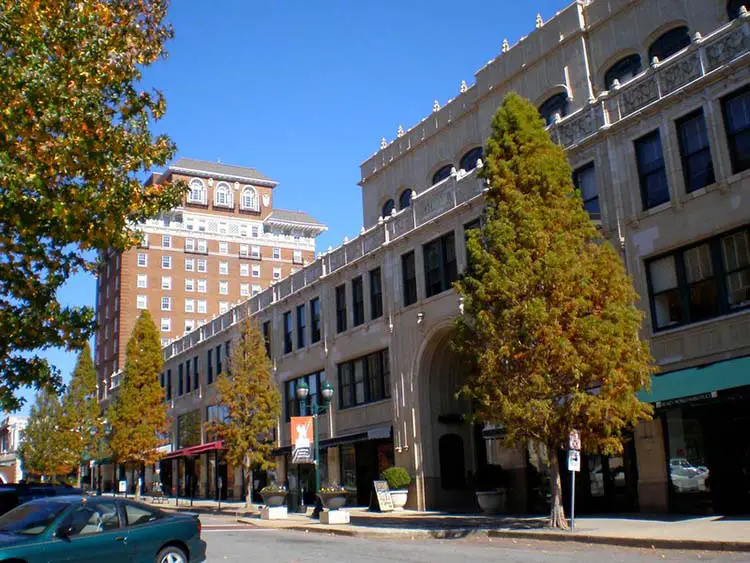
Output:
[[333, 496], [490, 489], [398, 482], [273, 495]]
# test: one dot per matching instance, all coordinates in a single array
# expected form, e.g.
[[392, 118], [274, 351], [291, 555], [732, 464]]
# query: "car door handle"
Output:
[[121, 538]]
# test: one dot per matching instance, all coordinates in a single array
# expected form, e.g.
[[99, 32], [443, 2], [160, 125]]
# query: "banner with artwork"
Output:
[[302, 439]]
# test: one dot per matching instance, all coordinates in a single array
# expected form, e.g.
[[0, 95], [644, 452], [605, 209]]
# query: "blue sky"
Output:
[[303, 91]]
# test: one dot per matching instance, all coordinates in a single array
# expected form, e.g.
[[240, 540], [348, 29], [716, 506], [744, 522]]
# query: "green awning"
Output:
[[698, 381]]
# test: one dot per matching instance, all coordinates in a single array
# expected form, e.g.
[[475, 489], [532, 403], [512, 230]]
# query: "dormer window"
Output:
[[249, 199], [197, 191], [556, 105], [223, 195]]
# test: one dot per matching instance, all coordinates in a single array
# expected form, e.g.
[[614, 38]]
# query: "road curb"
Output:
[[651, 543]]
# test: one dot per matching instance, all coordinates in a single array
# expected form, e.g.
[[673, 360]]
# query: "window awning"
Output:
[[195, 450], [698, 382]]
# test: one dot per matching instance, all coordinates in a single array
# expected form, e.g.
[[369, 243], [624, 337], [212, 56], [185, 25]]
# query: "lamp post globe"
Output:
[[327, 391], [303, 390]]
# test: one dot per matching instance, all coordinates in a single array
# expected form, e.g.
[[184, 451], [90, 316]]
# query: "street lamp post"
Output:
[[303, 391]]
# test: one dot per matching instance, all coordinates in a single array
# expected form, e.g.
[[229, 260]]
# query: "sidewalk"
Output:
[[713, 533]]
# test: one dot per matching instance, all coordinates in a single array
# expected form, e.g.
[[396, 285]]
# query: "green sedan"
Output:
[[95, 529]]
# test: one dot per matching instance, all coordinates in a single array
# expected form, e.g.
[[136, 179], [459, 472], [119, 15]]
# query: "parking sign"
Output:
[[574, 440], [574, 460]]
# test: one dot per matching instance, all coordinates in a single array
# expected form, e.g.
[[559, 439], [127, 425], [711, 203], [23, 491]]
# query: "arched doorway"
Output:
[[451, 448]]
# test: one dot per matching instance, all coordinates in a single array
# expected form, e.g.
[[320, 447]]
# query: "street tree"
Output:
[[44, 449], [82, 425], [253, 403], [138, 416], [550, 325], [74, 137]]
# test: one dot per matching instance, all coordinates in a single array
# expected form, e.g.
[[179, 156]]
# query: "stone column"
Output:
[[653, 482], [334, 465]]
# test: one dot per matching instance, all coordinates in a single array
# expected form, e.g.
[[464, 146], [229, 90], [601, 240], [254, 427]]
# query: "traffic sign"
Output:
[[574, 440], [574, 460]]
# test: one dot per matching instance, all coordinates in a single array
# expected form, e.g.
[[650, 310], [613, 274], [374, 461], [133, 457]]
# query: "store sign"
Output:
[[302, 434], [686, 400], [574, 460]]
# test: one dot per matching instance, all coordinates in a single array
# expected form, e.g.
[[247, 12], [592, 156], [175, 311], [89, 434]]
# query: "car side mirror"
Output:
[[63, 532]]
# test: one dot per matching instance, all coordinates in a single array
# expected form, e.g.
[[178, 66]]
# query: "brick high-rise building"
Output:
[[224, 244]]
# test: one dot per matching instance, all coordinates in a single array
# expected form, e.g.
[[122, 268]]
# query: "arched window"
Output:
[[557, 104], [197, 191], [469, 160], [441, 174], [249, 199], [623, 70], [733, 8], [669, 43], [388, 206], [223, 195], [404, 200]]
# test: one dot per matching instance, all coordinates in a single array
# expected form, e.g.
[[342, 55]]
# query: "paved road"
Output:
[[230, 542]]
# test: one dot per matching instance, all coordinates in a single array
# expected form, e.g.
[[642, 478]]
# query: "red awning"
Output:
[[195, 450]]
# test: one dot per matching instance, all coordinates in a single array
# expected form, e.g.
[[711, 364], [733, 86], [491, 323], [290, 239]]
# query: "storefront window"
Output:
[[189, 429], [688, 471], [349, 468]]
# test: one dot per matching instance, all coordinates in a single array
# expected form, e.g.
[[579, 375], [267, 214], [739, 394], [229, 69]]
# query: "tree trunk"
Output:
[[248, 486], [557, 512]]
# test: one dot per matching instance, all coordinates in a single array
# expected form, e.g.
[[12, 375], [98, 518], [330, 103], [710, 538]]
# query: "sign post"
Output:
[[574, 466]]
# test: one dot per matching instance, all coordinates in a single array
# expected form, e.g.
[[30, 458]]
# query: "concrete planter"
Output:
[[332, 501], [273, 499], [492, 502], [399, 498]]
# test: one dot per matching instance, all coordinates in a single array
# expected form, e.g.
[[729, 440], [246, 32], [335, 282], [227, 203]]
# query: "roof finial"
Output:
[[539, 21], [435, 106], [383, 143], [464, 87], [506, 46], [400, 132]]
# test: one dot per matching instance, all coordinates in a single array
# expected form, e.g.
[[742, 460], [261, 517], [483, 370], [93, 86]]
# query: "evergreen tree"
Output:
[[253, 402], [74, 138], [138, 416], [550, 329], [82, 424], [43, 449]]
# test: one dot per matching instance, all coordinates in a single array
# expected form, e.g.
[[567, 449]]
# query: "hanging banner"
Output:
[[302, 439]]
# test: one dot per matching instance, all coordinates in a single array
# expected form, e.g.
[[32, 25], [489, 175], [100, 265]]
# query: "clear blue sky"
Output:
[[303, 91]]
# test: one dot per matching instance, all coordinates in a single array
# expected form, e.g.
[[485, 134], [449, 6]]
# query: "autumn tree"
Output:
[[253, 403], [43, 449], [74, 136], [82, 425], [138, 416], [550, 330]]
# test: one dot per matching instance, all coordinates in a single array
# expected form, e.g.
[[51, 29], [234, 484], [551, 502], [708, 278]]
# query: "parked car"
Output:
[[13, 494], [96, 529]]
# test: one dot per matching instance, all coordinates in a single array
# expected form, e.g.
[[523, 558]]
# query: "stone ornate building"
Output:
[[11, 429], [651, 100]]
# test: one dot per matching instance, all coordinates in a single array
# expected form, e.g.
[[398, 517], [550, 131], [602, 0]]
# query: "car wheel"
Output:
[[171, 554]]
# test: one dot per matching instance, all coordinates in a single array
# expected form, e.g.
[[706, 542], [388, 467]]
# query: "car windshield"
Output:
[[31, 518]]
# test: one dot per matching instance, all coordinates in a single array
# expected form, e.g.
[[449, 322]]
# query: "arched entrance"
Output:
[[451, 448]]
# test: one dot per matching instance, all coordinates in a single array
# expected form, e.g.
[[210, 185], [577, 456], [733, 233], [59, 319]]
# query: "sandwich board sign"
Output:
[[383, 494]]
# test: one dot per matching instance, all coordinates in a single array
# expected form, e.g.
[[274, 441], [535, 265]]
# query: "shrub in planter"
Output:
[[273, 495], [333, 496], [398, 478]]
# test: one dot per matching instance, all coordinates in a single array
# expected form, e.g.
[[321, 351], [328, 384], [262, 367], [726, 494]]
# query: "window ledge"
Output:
[[678, 329], [363, 405], [737, 177]]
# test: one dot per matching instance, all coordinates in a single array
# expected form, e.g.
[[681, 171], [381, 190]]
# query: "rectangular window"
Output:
[[256, 270], [244, 270], [223, 248], [142, 281], [224, 268], [277, 254], [169, 385], [735, 253], [244, 251], [202, 265], [187, 377], [697, 166], [244, 289], [166, 282], [295, 407], [166, 324], [409, 275], [341, 308], [255, 231], [189, 325], [189, 245], [287, 332], [180, 383], [652, 173], [189, 305], [196, 377], [440, 270], [223, 307], [189, 265], [141, 302], [277, 273], [358, 301], [256, 289], [209, 368], [202, 286], [218, 359], [736, 108], [584, 179], [255, 252], [315, 319], [202, 306], [143, 240], [166, 262], [223, 288], [189, 284], [267, 337], [297, 257], [376, 294], [166, 241], [364, 380], [202, 245], [142, 259], [166, 303], [301, 326]]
